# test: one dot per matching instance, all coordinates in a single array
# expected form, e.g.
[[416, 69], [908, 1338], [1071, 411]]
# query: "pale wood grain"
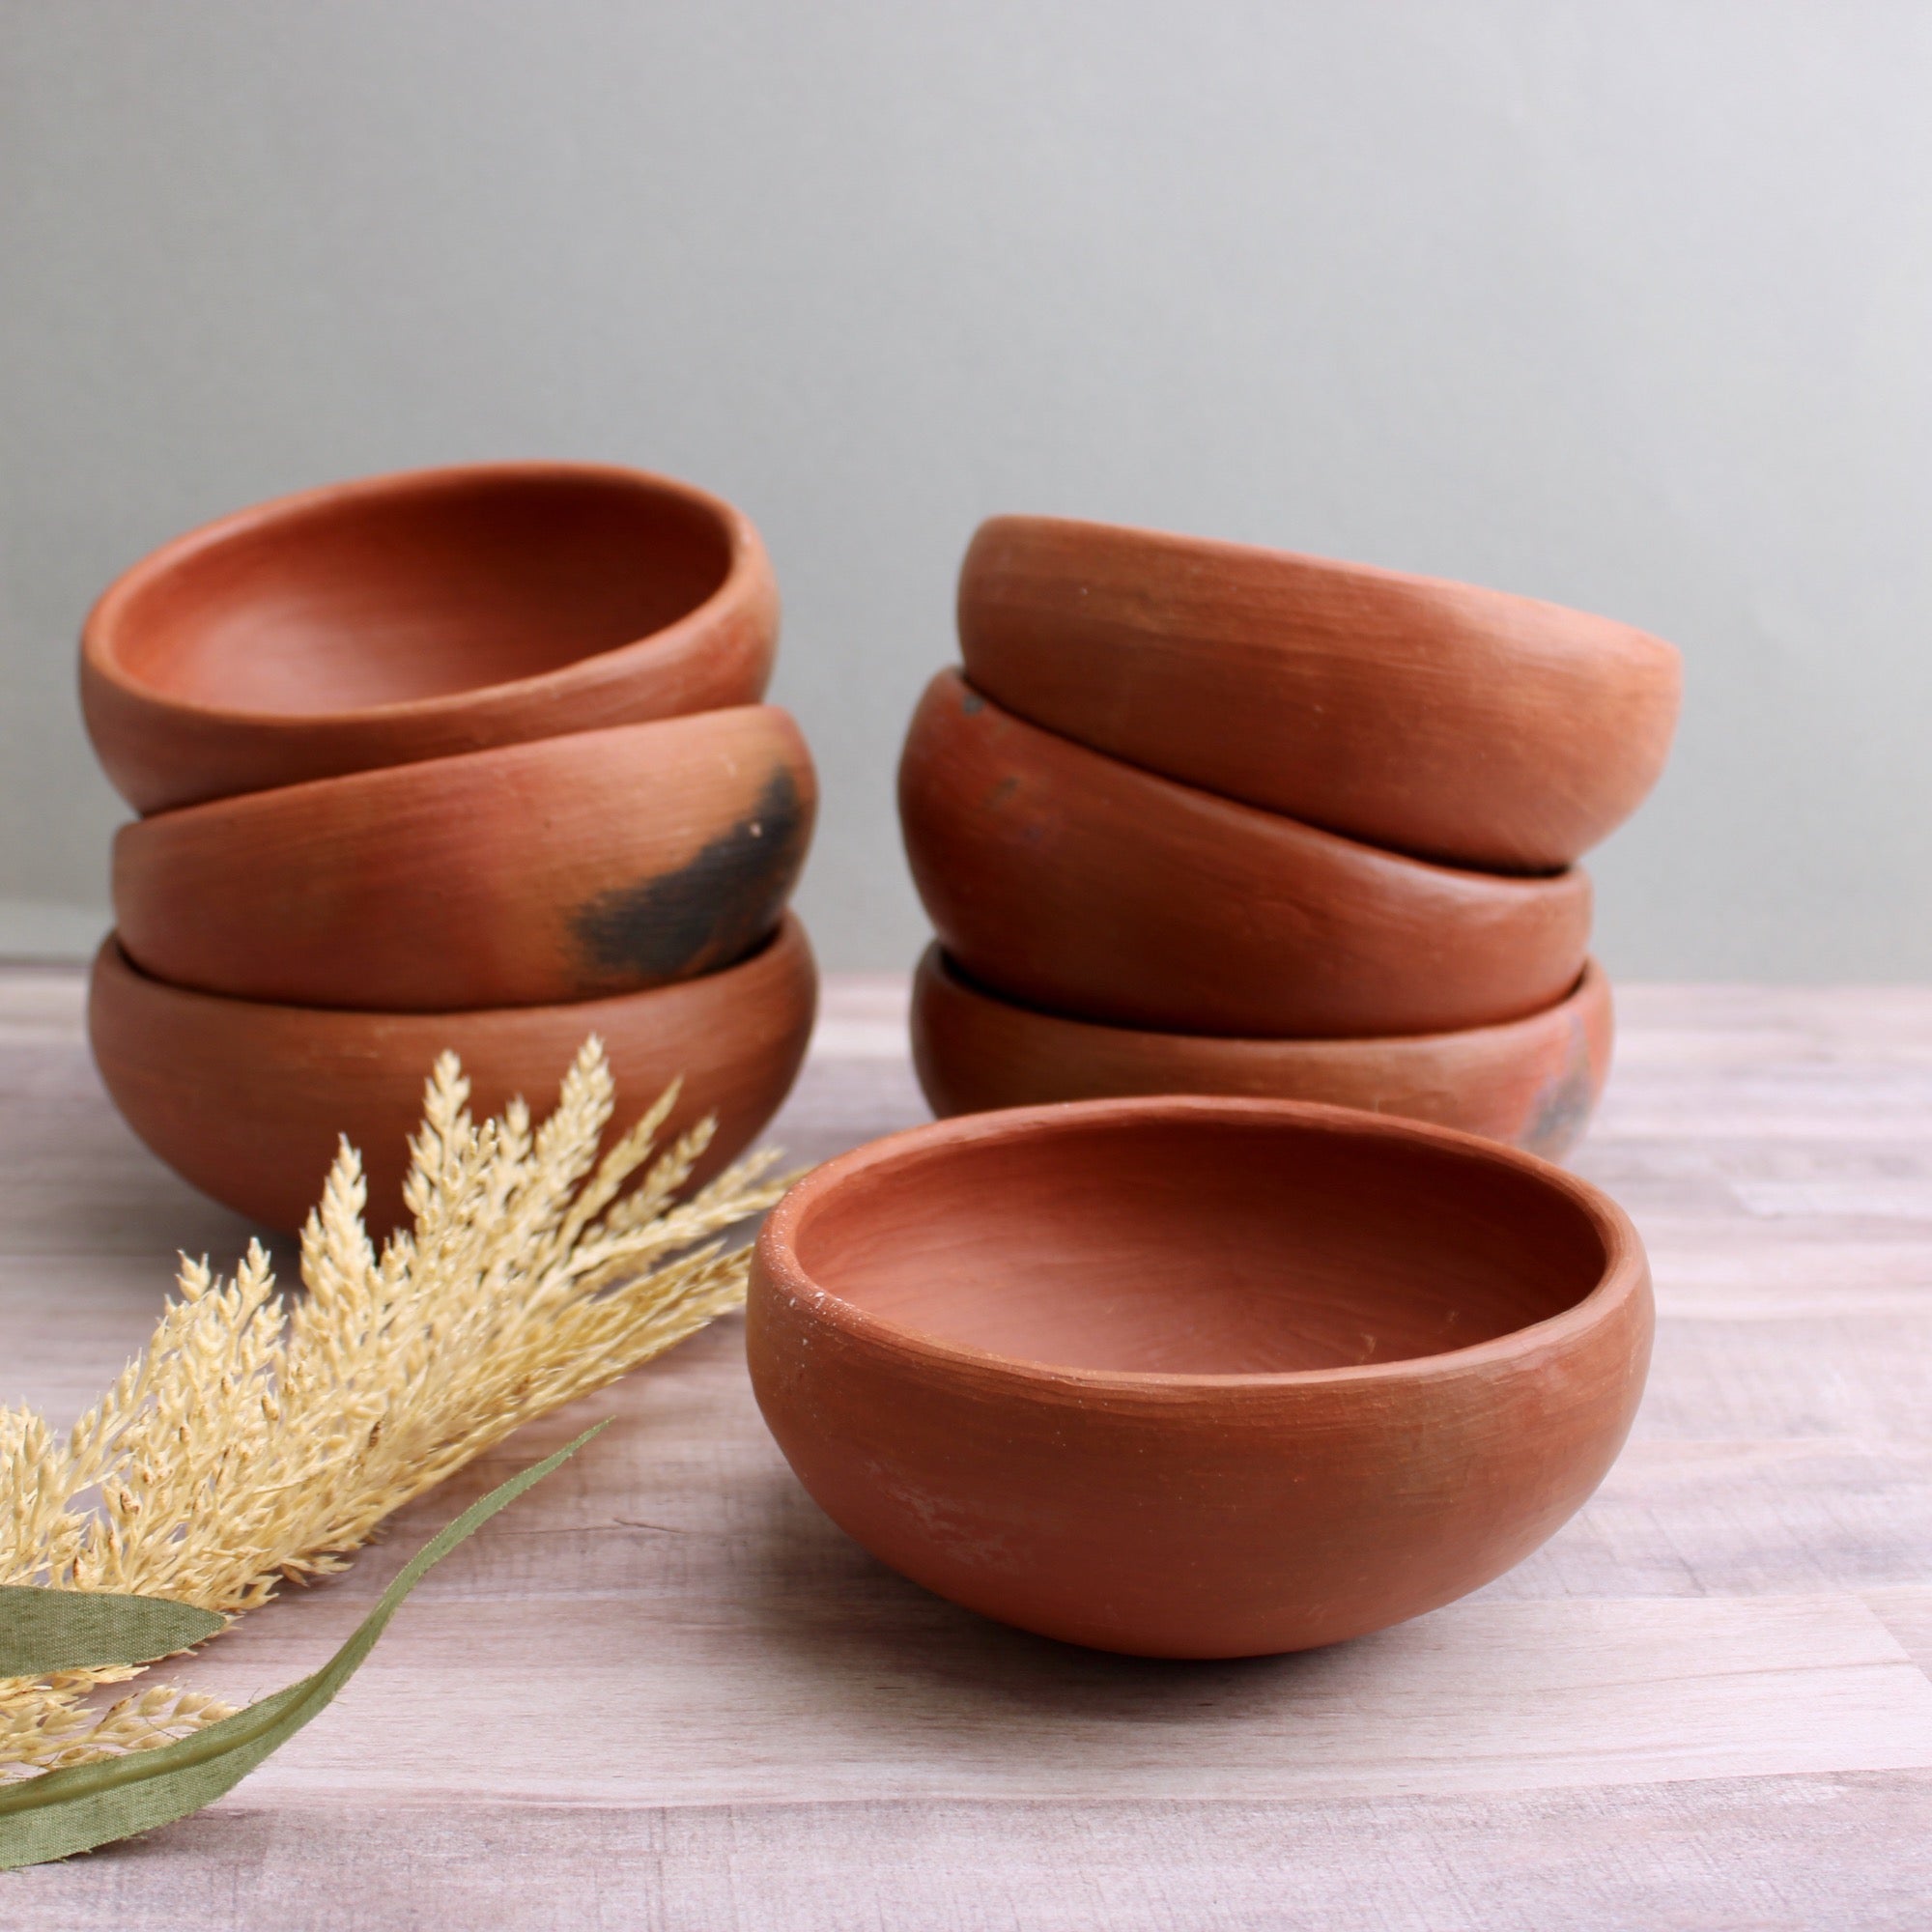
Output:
[[667, 1692], [1906, 1611], [680, 1696], [1771, 1854]]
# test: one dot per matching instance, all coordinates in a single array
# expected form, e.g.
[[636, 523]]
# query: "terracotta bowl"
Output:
[[1197, 1377], [413, 616], [246, 1100], [1532, 1083], [1435, 718], [1084, 886], [565, 869]]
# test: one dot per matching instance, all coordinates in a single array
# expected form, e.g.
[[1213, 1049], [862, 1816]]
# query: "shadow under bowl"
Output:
[[1436, 718], [569, 869], [419, 615], [1088, 887], [1531, 1083], [1193, 1376], [248, 1100]]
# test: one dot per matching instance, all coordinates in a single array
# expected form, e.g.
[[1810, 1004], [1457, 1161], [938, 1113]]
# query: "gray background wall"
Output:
[[1624, 305]]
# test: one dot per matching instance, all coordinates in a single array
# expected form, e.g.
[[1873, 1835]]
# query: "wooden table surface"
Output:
[[665, 1692]]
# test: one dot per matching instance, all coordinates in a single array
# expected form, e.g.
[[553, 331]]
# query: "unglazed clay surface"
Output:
[[1193, 1376], [417, 616], [570, 869], [246, 1100], [1064, 878], [1531, 1082], [1431, 717]]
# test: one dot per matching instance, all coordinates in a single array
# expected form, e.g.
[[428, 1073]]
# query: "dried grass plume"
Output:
[[258, 1439]]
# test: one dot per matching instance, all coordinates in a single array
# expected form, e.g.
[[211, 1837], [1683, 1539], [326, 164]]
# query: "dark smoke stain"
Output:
[[710, 912], [1563, 1108]]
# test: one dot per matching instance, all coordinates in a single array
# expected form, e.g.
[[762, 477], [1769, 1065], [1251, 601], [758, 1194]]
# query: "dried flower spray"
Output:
[[258, 1439]]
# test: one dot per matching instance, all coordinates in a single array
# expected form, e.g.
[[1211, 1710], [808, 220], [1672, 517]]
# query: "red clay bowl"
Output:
[[570, 869], [413, 616], [1197, 1377], [1532, 1083], [246, 1100], [1436, 718], [1084, 886]]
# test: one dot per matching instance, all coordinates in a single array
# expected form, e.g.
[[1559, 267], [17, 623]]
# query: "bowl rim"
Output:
[[935, 963], [428, 775], [785, 948], [1236, 817], [1027, 524], [1624, 1275], [745, 559]]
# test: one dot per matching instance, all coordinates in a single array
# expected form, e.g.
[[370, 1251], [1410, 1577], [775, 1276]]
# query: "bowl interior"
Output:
[[431, 586], [1200, 1246]]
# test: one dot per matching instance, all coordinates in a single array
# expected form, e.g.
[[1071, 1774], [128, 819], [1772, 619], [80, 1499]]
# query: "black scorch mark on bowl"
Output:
[[710, 913]]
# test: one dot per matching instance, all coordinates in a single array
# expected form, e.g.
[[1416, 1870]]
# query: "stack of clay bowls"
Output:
[[1198, 817], [468, 759]]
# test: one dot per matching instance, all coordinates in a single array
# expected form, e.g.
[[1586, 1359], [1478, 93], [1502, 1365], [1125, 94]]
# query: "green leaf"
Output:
[[61, 1812], [42, 1630]]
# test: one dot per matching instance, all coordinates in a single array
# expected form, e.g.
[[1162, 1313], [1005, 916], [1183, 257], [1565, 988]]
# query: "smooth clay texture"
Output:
[[1436, 718], [248, 1100], [570, 869], [1532, 1083], [1197, 1377], [420, 615], [1066, 879]]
